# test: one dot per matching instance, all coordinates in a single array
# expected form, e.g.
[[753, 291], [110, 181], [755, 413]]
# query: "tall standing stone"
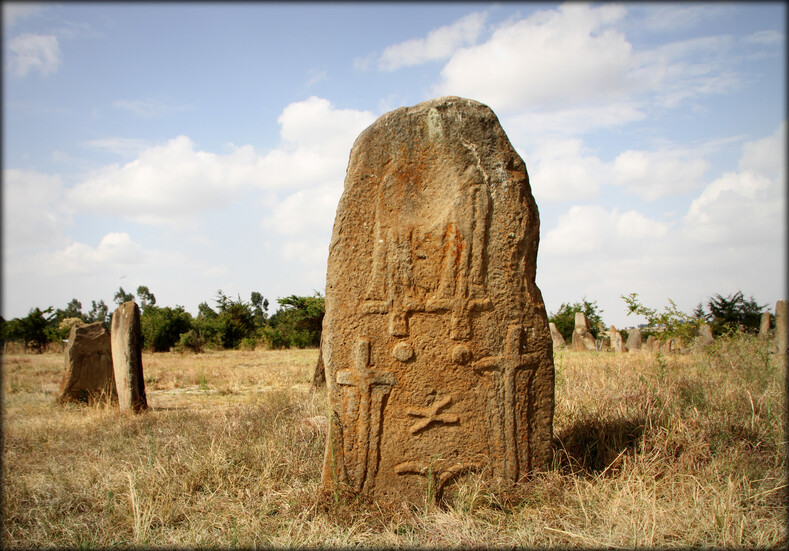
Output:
[[582, 337], [764, 326], [633, 339], [616, 339], [781, 326], [88, 374], [127, 357], [556, 337], [435, 340], [653, 345]]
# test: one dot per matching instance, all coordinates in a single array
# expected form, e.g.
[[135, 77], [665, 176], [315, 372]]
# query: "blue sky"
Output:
[[198, 147]]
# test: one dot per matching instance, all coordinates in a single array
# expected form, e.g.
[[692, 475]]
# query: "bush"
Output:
[[191, 341], [162, 327]]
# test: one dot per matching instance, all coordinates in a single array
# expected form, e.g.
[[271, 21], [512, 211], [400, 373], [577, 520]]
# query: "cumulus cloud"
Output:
[[560, 170], [30, 53], [113, 249], [552, 57], [661, 173], [733, 224], [32, 213], [593, 230], [168, 184], [440, 43]]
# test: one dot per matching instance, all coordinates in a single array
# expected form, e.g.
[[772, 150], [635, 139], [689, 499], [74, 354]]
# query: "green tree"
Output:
[[564, 318], [162, 327], [259, 308], [726, 314], [145, 297], [297, 323], [672, 322], [99, 312], [122, 296], [32, 329]]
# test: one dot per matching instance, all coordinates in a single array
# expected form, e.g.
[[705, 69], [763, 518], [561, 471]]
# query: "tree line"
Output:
[[231, 323], [724, 314], [237, 323]]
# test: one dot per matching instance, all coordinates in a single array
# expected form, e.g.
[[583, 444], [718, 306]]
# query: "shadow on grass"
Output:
[[591, 446]]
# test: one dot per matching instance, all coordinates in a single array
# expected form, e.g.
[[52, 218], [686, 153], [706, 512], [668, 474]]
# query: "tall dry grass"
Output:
[[666, 451]]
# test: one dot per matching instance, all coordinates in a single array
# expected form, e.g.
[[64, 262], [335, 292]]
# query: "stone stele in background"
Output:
[[88, 374], [436, 344], [127, 357], [556, 337], [781, 327], [616, 340], [633, 339], [704, 338], [764, 326], [582, 337]]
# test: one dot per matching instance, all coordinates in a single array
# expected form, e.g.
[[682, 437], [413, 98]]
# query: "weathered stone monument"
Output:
[[582, 337], [556, 337], [435, 340], [633, 339], [616, 339], [781, 327], [126, 341], [88, 374], [653, 345], [764, 326], [704, 338]]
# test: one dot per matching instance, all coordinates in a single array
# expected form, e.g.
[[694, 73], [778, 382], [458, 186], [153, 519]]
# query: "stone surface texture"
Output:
[[556, 337], [781, 327], [633, 339], [436, 344], [126, 341], [88, 374], [582, 337]]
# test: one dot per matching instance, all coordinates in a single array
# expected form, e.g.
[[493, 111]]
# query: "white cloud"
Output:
[[591, 230], [32, 216], [34, 53], [440, 43], [655, 174], [731, 237], [119, 146], [766, 156], [309, 212], [149, 108], [546, 60], [16, 11], [78, 258], [560, 170], [534, 127], [315, 124], [169, 183]]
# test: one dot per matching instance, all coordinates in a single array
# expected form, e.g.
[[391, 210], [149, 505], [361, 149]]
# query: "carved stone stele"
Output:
[[88, 375], [126, 340], [435, 341]]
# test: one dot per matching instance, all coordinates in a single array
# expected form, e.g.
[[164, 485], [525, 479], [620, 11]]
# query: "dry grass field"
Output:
[[655, 451]]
